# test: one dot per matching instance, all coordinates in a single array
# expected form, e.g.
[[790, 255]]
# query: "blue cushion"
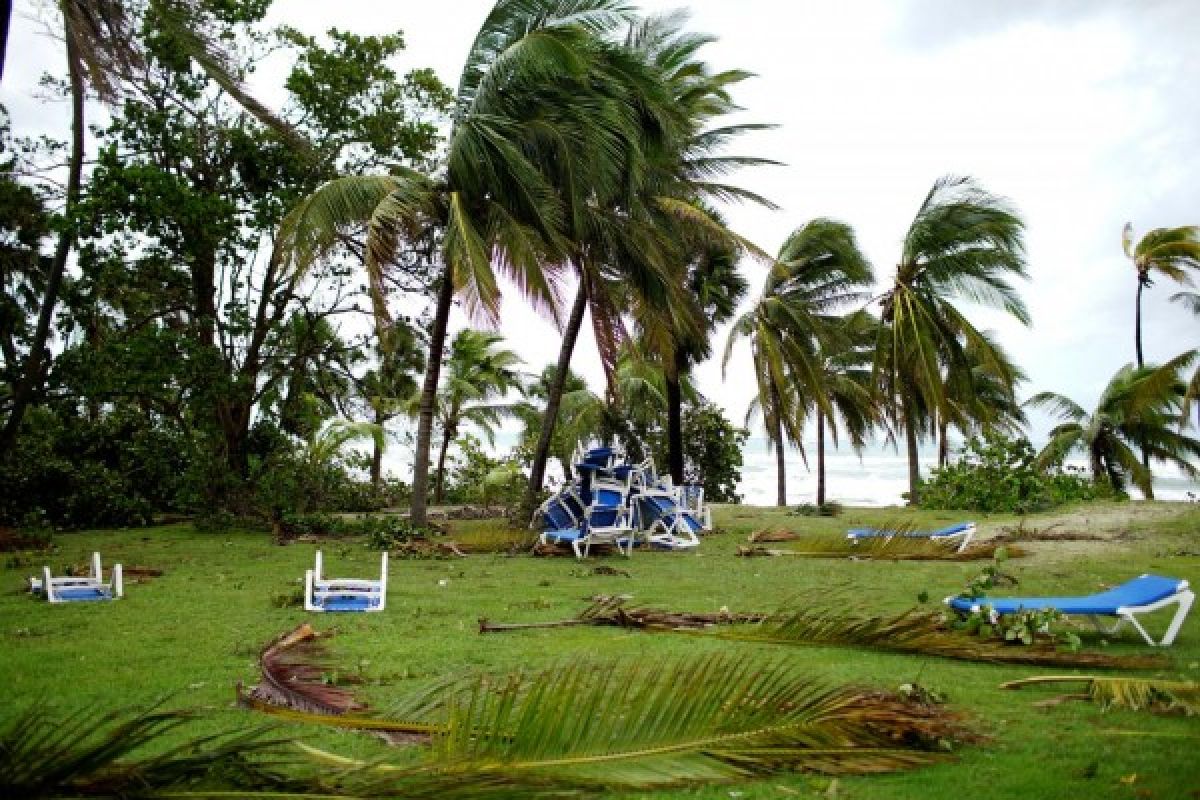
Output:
[[871, 533], [556, 515], [82, 594], [1138, 592], [564, 536], [348, 603], [608, 498]]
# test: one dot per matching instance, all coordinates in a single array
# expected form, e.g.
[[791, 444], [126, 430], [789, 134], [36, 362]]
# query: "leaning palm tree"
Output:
[[637, 259], [1170, 252], [820, 270], [963, 243], [477, 374], [542, 118], [1139, 407]]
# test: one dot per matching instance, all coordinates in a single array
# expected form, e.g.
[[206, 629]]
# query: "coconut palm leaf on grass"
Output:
[[1134, 694], [677, 722], [919, 633], [91, 755], [894, 548]]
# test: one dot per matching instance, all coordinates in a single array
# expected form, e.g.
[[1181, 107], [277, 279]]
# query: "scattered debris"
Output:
[[1133, 694], [611, 611], [779, 535]]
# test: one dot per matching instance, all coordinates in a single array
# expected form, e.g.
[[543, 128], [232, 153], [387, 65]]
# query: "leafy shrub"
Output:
[[476, 477], [998, 474], [72, 472], [382, 532]]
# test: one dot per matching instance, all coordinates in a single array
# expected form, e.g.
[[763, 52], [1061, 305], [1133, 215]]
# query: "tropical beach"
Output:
[[586, 398]]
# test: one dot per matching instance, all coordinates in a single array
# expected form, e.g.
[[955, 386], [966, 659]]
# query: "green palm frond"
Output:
[[916, 632], [1133, 694]]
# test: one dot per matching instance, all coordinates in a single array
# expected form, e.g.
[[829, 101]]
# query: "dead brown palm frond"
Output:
[[1134, 694], [293, 676], [778, 535], [918, 632], [610, 611], [881, 548]]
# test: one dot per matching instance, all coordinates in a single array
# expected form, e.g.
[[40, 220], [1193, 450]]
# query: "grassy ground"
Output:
[[193, 633]]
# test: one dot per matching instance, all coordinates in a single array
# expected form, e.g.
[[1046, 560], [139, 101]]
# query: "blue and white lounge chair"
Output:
[[559, 512], [80, 589], [344, 594], [1141, 595], [602, 526], [963, 531], [663, 523]]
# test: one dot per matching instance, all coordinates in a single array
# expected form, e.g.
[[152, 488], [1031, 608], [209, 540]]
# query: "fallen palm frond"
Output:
[[1134, 694], [611, 611], [677, 722], [89, 755], [918, 632], [294, 676], [778, 535], [881, 548]]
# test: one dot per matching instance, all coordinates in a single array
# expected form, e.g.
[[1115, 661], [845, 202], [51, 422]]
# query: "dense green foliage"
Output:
[[998, 474]]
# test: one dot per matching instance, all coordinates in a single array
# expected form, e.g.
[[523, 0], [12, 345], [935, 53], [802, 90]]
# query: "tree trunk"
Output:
[[820, 458], [433, 369], [914, 465], [537, 472], [780, 468], [377, 453], [32, 372], [439, 485], [1137, 323], [943, 444], [568, 475], [5, 21], [1141, 361], [675, 419]]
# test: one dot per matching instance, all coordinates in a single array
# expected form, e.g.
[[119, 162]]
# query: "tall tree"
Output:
[[1140, 407], [819, 271], [478, 375], [963, 242], [497, 201], [1169, 252]]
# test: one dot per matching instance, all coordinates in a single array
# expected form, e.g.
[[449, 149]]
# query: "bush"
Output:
[[476, 477], [997, 474], [73, 472]]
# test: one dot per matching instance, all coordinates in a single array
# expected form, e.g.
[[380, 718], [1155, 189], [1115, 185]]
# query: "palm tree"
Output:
[[636, 259], [1169, 252], [541, 120], [389, 388], [579, 415], [844, 365], [1191, 301], [820, 269], [981, 394], [477, 373], [1140, 406], [963, 242]]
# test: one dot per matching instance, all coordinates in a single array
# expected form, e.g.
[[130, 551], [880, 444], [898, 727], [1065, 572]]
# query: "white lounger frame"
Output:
[[1183, 598], [317, 587], [51, 586], [965, 534]]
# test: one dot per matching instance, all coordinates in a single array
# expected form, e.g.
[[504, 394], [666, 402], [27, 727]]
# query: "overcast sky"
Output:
[[1084, 114]]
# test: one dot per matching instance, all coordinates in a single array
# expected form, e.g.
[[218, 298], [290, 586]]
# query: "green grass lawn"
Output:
[[192, 634]]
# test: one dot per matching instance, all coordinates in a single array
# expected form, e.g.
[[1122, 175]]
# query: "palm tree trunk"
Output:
[[440, 483], [433, 369], [780, 468], [914, 466], [1137, 323], [943, 444], [820, 458], [675, 419], [5, 20], [1141, 361], [32, 372], [537, 472]]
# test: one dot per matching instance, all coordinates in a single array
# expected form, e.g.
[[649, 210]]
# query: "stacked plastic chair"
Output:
[[622, 504], [79, 588]]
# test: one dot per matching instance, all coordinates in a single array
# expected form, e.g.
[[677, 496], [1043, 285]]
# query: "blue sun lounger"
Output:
[[963, 531], [1141, 595], [79, 589], [344, 594], [665, 524]]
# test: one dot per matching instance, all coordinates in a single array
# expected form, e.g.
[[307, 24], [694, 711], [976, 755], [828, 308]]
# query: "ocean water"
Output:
[[878, 478]]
